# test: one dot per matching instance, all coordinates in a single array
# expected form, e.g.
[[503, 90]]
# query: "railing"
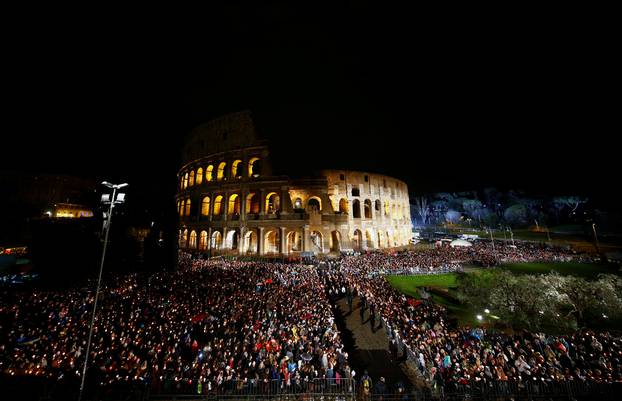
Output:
[[328, 389]]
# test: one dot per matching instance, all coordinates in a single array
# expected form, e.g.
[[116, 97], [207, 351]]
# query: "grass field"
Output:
[[408, 284]]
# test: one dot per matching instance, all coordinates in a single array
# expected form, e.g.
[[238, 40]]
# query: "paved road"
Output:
[[369, 350]]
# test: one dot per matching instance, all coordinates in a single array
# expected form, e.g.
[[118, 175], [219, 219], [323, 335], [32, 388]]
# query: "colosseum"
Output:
[[230, 202]]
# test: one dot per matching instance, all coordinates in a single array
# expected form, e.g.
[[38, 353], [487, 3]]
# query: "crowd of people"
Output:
[[225, 324], [209, 325], [448, 355]]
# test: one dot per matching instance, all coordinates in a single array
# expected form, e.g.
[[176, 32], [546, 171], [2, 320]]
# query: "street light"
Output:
[[112, 201], [595, 237]]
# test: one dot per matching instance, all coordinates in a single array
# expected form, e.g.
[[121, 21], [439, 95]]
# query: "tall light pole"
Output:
[[595, 237], [106, 199]]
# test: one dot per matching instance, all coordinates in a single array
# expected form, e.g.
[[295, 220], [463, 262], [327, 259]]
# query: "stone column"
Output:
[[260, 240], [241, 243], [283, 240], [286, 201], [262, 203], [306, 239]]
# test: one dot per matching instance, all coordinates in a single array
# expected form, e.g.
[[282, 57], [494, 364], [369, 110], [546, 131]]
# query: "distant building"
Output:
[[229, 202]]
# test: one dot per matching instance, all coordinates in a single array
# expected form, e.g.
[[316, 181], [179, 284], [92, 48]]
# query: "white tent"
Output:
[[459, 242]]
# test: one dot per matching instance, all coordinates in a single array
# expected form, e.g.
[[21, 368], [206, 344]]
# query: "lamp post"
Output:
[[595, 237], [106, 199]]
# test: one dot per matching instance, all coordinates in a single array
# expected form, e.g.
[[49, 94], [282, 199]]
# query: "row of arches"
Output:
[[220, 172], [393, 210], [216, 206], [293, 241]]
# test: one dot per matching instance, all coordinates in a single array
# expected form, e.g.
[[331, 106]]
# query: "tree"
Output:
[[473, 208], [452, 216], [516, 214], [421, 204], [572, 202]]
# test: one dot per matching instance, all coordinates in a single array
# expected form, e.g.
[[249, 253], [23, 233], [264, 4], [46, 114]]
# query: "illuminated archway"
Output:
[[356, 209], [205, 206], [314, 204], [367, 209], [216, 240], [209, 171], [272, 203], [199, 178], [369, 239], [377, 206], [252, 203], [236, 172], [357, 240], [191, 179], [193, 239], [221, 171], [180, 207], [317, 241], [335, 245], [250, 242], [251, 167], [185, 180], [234, 205], [232, 240], [183, 240], [217, 205], [271, 242], [188, 207], [343, 206], [203, 241], [294, 242]]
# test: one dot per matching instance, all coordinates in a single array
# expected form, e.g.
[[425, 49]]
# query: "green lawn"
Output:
[[585, 270], [408, 284]]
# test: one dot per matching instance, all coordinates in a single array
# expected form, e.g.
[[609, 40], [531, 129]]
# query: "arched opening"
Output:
[[379, 239], [188, 207], [271, 242], [298, 205], [234, 205], [388, 238], [205, 206], [314, 204], [367, 209], [294, 242], [209, 173], [193, 240], [232, 240], [203, 241], [216, 240], [180, 207], [356, 209], [253, 167], [217, 205], [357, 241], [343, 206], [272, 203], [317, 241], [377, 205], [221, 171], [252, 203], [191, 179], [386, 208], [369, 238], [236, 172], [185, 180], [199, 179], [250, 242], [335, 245]]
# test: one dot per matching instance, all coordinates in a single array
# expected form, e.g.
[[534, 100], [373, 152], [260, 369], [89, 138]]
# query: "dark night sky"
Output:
[[515, 103]]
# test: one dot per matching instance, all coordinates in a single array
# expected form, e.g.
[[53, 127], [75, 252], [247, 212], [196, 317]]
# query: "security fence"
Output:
[[326, 389]]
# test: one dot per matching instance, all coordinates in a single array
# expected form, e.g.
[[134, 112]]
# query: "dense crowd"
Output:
[[216, 324], [448, 355], [208, 325]]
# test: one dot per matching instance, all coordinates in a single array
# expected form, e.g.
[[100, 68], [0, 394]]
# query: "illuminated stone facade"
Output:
[[229, 202]]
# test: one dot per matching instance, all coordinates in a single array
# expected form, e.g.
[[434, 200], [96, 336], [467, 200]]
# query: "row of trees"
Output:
[[492, 207], [544, 301]]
